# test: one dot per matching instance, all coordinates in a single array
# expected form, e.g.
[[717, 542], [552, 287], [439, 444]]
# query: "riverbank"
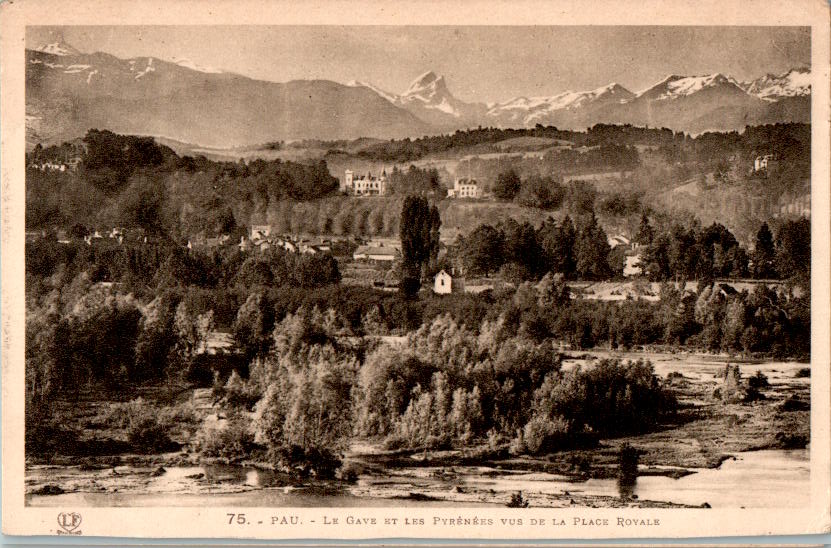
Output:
[[707, 433]]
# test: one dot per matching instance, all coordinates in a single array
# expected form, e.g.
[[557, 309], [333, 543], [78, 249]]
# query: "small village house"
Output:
[[765, 162], [260, 232], [445, 284]]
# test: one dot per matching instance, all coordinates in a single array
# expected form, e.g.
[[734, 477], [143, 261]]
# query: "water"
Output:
[[758, 479]]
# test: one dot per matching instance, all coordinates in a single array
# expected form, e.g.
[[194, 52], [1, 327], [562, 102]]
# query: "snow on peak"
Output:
[[428, 83], [58, 48], [359, 84], [187, 63], [541, 106], [794, 83], [679, 86], [149, 68]]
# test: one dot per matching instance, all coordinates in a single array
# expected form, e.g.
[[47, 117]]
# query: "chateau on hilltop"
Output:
[[364, 185]]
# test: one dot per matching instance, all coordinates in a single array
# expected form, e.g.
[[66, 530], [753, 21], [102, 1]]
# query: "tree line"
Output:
[[133, 181]]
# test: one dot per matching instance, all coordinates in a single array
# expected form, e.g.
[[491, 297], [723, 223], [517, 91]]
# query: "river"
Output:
[[756, 479]]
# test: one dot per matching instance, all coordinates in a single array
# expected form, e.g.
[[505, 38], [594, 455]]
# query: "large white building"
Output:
[[364, 185], [464, 188]]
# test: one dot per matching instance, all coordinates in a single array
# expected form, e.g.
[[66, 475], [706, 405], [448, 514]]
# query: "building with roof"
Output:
[[764, 163], [376, 254], [364, 185], [445, 284], [464, 188]]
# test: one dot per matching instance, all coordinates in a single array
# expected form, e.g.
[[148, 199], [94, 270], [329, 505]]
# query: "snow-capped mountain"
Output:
[[392, 98], [68, 93], [794, 83], [58, 48], [681, 102], [675, 86], [431, 91], [534, 110], [428, 98]]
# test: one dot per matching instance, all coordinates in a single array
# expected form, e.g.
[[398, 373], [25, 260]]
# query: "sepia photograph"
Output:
[[425, 267]]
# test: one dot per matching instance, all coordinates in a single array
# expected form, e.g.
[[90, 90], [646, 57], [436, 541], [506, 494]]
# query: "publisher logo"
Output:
[[69, 522]]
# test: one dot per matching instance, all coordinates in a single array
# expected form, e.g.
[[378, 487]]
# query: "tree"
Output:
[[541, 192], [645, 232], [764, 254], [419, 232], [593, 252], [482, 250], [252, 327], [522, 247], [557, 243], [793, 250], [507, 185]]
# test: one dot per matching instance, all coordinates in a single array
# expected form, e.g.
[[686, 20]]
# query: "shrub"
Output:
[[542, 435], [315, 462], [148, 435], [759, 380], [348, 472], [232, 442], [803, 373], [517, 501], [46, 436], [147, 429], [238, 394], [610, 398], [793, 403]]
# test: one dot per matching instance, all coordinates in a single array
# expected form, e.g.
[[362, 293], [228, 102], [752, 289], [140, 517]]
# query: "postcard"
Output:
[[358, 270]]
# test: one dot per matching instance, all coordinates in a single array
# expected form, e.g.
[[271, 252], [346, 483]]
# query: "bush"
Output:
[[232, 442], [517, 501], [49, 437], [315, 462], [607, 398], [793, 403], [759, 380], [349, 472], [803, 373], [545, 436], [148, 435], [147, 429]]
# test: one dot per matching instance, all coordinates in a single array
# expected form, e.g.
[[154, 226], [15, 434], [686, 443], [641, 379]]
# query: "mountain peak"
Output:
[[675, 85], [793, 83], [60, 48], [429, 81]]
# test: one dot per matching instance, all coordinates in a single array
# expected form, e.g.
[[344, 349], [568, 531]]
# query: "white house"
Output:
[[632, 266], [445, 284], [260, 232], [763, 163], [464, 188]]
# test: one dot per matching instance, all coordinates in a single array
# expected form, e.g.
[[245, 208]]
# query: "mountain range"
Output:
[[68, 92]]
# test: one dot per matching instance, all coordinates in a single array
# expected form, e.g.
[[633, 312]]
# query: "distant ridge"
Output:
[[68, 92]]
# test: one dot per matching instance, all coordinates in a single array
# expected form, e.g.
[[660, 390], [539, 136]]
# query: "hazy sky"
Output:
[[479, 63]]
